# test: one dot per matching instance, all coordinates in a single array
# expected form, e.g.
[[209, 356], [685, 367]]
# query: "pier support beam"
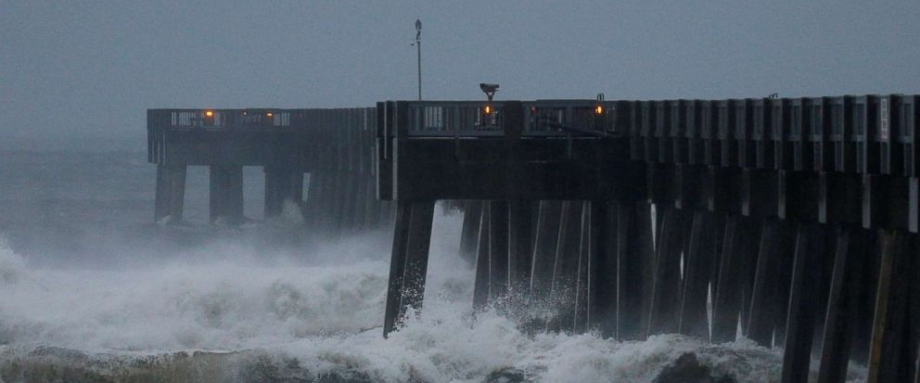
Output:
[[733, 292], [770, 290], [520, 245], [544, 250], [469, 236], [700, 260], [408, 261], [498, 250], [843, 304], [282, 184], [170, 193], [634, 251], [665, 295], [565, 267], [893, 351], [226, 193], [483, 260], [803, 292], [602, 268]]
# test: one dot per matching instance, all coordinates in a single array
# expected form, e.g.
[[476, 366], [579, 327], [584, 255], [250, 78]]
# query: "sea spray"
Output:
[[232, 313]]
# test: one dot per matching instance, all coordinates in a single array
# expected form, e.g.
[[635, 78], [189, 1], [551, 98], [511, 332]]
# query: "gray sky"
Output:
[[92, 68]]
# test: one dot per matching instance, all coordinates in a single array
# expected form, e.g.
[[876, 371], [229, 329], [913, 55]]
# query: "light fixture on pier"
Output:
[[599, 107], [269, 114], [209, 113], [489, 90], [600, 114]]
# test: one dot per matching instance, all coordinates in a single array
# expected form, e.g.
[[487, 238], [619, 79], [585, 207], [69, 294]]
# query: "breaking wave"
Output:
[[237, 315]]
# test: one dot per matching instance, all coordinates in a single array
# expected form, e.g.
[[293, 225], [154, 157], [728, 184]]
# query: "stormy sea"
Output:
[[92, 291]]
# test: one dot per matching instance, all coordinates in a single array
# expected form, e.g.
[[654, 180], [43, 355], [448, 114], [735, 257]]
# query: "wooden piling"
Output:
[[839, 323], [580, 315], [633, 252], [408, 261], [699, 258], [282, 184], [565, 265], [520, 245], [602, 269], [544, 251], [802, 310], [498, 250], [417, 251], [483, 261], [737, 262], [889, 352], [767, 299], [664, 309], [170, 192], [397, 265], [226, 193], [472, 213]]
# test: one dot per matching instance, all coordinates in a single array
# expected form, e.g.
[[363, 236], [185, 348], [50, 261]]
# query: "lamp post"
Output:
[[418, 48]]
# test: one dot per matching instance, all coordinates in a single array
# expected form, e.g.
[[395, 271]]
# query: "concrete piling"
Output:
[[226, 193]]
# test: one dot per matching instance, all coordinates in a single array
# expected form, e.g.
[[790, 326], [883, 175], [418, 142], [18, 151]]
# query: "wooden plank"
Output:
[[397, 266], [802, 311]]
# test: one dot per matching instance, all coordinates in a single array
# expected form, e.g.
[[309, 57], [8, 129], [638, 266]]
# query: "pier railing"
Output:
[[487, 119], [220, 118]]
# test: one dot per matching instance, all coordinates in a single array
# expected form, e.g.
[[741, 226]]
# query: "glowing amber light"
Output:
[[598, 110], [487, 109], [269, 114], [209, 113]]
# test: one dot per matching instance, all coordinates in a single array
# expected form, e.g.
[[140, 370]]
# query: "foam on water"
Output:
[[231, 314]]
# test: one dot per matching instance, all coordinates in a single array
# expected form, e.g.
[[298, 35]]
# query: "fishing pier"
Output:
[[789, 221]]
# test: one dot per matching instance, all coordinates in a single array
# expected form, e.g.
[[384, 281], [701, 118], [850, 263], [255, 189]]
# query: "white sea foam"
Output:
[[302, 319]]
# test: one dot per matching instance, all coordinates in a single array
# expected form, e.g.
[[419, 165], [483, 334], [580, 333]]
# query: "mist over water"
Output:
[[132, 301]]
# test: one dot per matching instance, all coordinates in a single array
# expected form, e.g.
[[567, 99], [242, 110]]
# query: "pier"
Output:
[[790, 221], [310, 156]]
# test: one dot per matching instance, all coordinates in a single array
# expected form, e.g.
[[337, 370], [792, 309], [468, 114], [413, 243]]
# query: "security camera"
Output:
[[489, 89]]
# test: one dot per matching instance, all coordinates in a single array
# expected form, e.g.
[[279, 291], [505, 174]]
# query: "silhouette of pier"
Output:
[[332, 149], [792, 221], [789, 221]]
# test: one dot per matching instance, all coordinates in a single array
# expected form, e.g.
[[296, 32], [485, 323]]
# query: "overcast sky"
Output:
[[72, 68]]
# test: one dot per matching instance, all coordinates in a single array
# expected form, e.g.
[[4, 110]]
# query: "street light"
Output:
[[418, 48]]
